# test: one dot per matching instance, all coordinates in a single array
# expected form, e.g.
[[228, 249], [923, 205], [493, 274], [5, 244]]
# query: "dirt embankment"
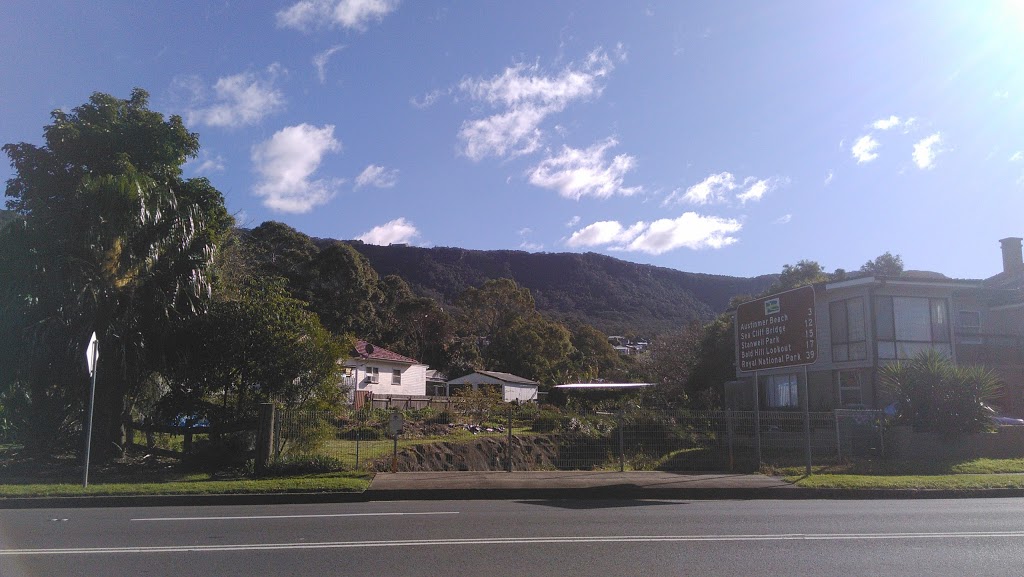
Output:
[[482, 454]]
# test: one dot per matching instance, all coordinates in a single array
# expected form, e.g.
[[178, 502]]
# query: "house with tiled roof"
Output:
[[375, 370], [512, 387]]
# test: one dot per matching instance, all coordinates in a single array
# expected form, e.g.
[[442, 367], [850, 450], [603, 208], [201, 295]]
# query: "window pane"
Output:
[[840, 353], [886, 350], [855, 319], [884, 319], [913, 319], [858, 351], [837, 319], [940, 321]]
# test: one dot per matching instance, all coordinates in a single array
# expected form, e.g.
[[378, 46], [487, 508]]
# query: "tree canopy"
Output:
[[108, 238]]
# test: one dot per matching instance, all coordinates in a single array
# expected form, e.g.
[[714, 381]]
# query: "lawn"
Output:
[[340, 482], [876, 474]]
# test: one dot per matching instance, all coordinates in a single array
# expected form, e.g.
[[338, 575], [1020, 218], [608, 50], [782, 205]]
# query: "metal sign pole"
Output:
[[92, 355], [807, 419], [757, 418]]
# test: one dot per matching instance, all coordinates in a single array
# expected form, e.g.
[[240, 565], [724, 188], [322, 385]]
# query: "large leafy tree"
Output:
[[108, 237], [261, 345]]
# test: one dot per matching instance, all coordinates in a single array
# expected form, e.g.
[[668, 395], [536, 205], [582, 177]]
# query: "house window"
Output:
[[396, 377], [846, 318], [909, 325], [781, 391], [969, 327], [850, 391], [373, 374]]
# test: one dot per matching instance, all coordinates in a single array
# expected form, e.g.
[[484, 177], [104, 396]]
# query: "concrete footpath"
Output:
[[465, 485]]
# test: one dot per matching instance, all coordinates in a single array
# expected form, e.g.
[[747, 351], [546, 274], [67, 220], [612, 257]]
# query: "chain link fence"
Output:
[[482, 437]]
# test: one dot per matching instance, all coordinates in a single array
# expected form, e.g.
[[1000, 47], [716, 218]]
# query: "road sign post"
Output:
[[778, 331], [92, 357]]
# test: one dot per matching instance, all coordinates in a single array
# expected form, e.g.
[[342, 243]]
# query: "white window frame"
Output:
[[396, 377], [970, 334], [372, 375]]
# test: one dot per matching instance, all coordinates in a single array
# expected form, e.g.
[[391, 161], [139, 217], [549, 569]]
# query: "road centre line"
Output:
[[507, 541], [312, 516]]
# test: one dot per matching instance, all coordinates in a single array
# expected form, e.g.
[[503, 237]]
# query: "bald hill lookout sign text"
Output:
[[777, 331]]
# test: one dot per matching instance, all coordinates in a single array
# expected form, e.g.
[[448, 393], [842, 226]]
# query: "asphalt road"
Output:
[[536, 538]]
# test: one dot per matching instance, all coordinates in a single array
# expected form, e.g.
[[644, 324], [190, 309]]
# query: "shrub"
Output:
[[547, 421], [305, 465], [934, 394], [363, 433]]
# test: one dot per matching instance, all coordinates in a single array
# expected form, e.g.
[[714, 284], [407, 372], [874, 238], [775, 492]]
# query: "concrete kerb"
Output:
[[406, 492]]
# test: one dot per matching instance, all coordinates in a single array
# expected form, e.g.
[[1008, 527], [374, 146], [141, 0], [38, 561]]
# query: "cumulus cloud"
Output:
[[377, 176], [205, 164], [321, 59], [1017, 156], [573, 221], [398, 231], [691, 230], [239, 100], [524, 97], [925, 151], [577, 173], [864, 149], [717, 188], [756, 189], [886, 123], [605, 232], [285, 164], [350, 14]]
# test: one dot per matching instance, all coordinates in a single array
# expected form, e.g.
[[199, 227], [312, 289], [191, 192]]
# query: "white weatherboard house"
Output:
[[513, 388], [377, 370]]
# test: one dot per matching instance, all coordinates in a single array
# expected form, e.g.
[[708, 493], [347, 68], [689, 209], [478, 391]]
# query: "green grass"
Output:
[[919, 482], [198, 485], [923, 475]]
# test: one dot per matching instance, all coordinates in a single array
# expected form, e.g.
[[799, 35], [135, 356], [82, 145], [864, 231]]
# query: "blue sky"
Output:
[[717, 137]]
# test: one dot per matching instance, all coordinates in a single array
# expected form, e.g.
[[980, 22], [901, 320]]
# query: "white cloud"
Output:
[[864, 149], [757, 190], [350, 14], [691, 230], [398, 231], [240, 100], [573, 221], [428, 99], [205, 164], [578, 173], [784, 219], [525, 98], [925, 151], [286, 163], [321, 59], [377, 176], [716, 188], [526, 244], [886, 123], [829, 176], [605, 232], [1017, 156], [712, 189]]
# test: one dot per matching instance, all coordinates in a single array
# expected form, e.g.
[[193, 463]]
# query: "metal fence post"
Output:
[[728, 427], [807, 419], [622, 443], [839, 437], [508, 454], [359, 433]]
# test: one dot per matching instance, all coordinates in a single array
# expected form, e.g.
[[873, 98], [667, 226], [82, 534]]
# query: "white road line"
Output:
[[315, 516], [508, 541]]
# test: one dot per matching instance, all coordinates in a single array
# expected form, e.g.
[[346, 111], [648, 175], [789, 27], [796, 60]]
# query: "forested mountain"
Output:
[[615, 296]]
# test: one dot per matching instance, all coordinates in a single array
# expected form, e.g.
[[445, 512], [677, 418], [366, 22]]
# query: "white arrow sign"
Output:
[[92, 353]]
